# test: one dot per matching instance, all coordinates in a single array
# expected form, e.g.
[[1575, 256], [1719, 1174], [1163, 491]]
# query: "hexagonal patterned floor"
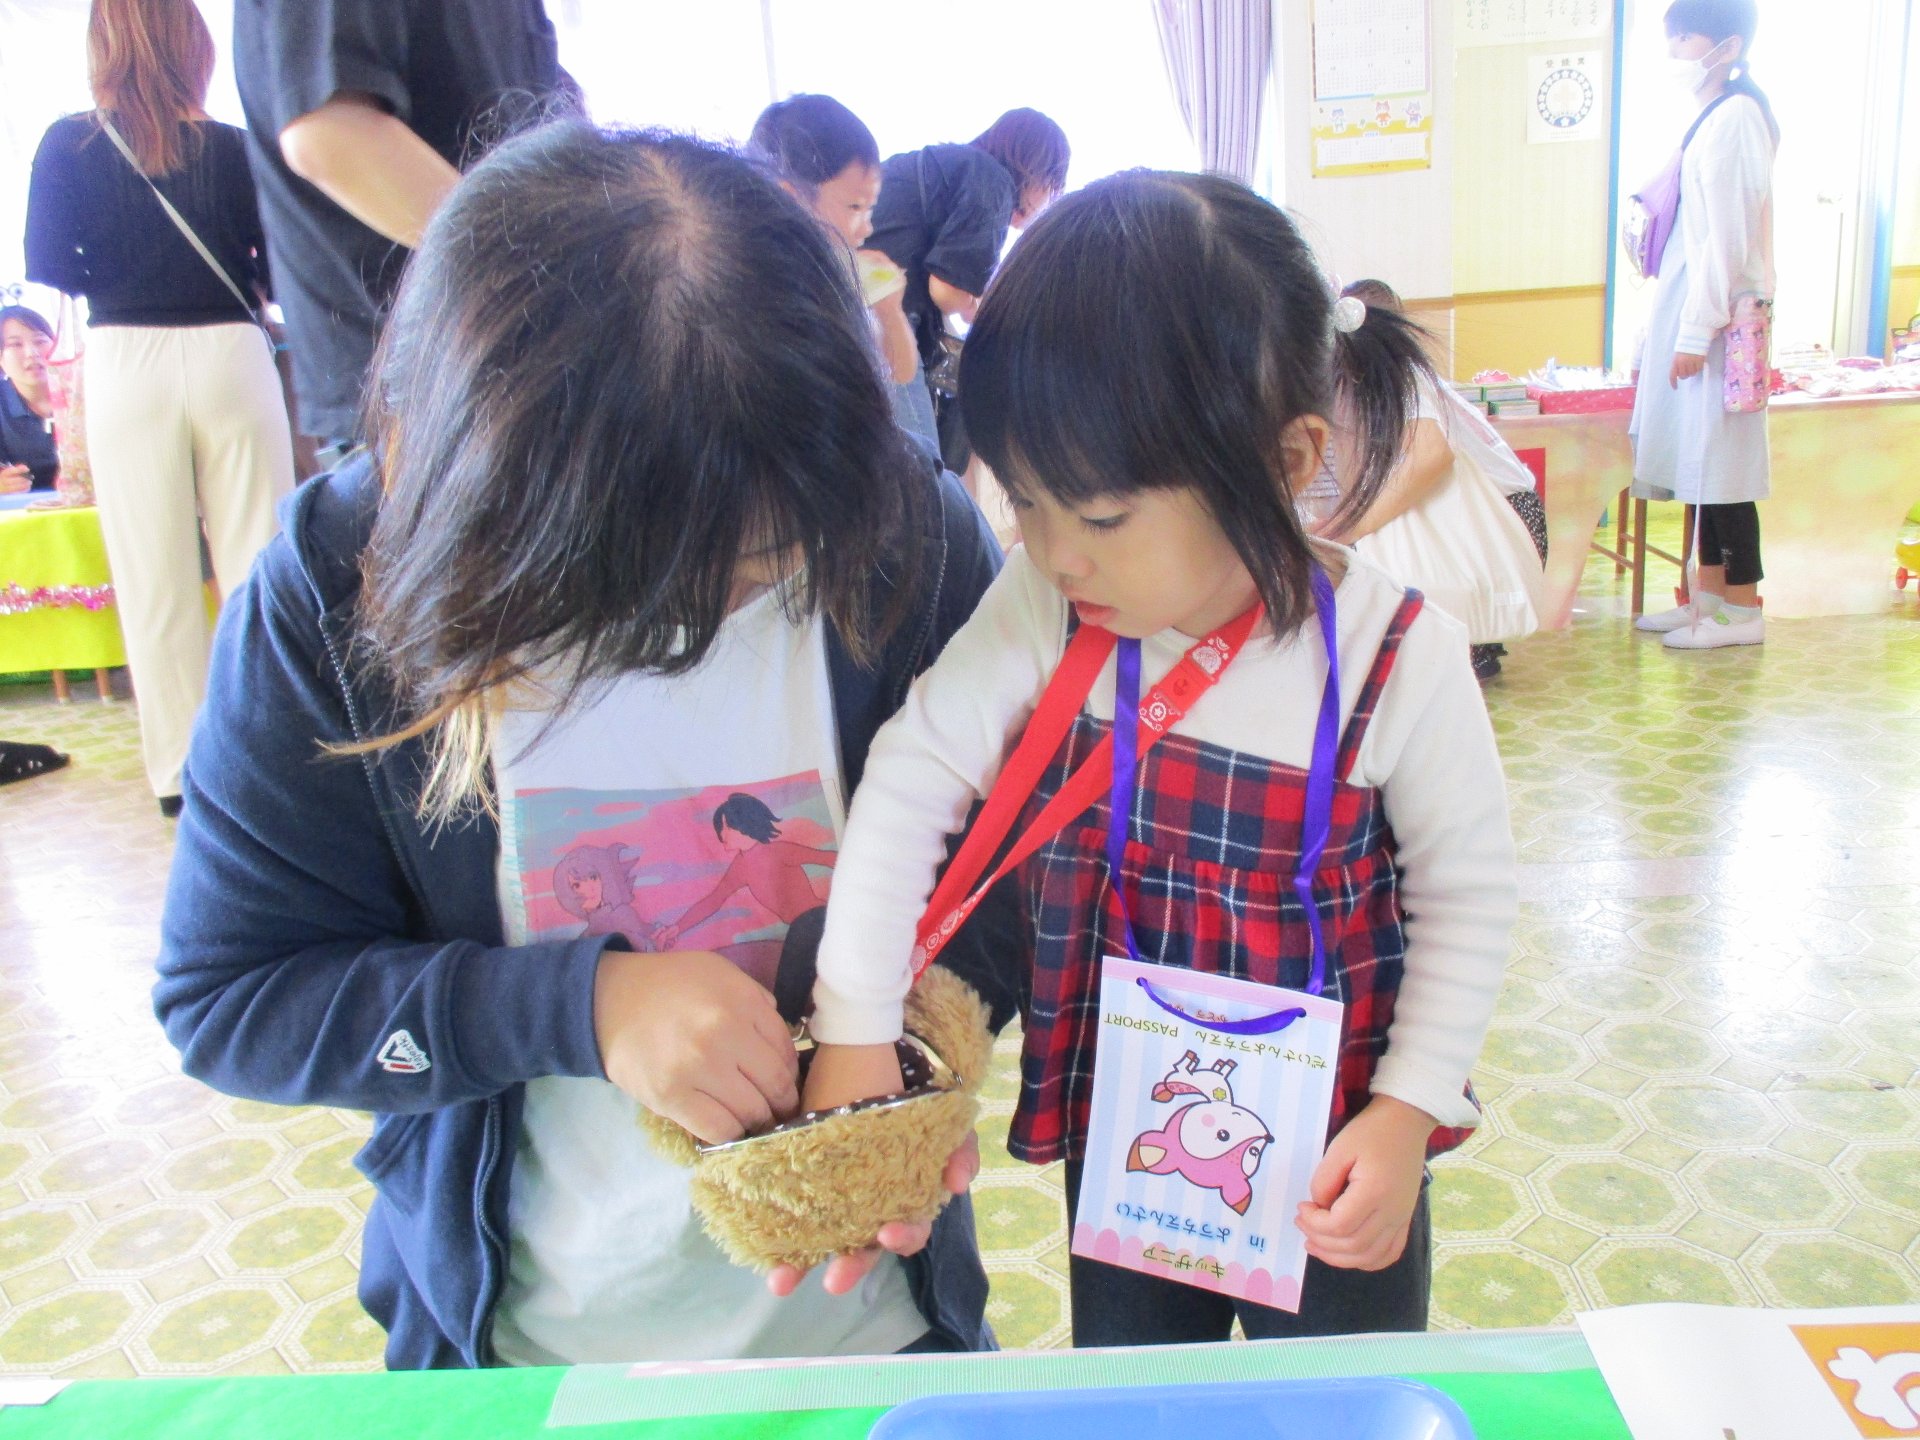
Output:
[[1702, 1083]]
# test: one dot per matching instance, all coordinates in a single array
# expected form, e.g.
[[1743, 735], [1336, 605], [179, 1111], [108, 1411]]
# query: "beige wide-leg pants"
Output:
[[184, 425]]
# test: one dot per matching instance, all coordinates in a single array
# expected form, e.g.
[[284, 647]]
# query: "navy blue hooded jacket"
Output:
[[311, 918]]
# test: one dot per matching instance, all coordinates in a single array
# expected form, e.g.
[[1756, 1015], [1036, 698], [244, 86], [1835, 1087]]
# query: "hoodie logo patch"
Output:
[[401, 1055]]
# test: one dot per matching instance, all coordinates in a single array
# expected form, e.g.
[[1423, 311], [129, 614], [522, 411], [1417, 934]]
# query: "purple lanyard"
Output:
[[1316, 821]]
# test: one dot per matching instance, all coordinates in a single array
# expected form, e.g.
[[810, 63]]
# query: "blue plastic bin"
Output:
[[1365, 1409]]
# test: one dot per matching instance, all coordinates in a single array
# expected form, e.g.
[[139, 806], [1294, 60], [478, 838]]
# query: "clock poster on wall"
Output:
[[1564, 98]]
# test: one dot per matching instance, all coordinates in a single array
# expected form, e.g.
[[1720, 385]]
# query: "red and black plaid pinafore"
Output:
[[1211, 850]]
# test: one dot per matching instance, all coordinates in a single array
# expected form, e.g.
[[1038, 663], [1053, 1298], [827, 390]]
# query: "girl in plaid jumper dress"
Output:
[[1149, 377]]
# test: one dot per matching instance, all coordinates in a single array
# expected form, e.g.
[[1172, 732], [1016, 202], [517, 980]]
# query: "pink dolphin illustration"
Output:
[[1210, 1141]]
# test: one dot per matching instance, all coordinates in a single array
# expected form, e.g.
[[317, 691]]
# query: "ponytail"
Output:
[[1378, 367], [1740, 82]]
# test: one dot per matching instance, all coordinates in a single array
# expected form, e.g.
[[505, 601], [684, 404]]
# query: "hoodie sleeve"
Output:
[[290, 968]]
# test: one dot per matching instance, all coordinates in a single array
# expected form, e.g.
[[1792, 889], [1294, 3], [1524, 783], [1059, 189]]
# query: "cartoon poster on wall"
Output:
[[1372, 87], [742, 870]]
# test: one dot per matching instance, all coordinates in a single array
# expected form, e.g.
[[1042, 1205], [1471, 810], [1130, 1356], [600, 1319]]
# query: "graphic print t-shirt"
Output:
[[701, 812]]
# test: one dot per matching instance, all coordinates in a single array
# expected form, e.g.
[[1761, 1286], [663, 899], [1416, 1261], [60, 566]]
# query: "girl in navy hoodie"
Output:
[[623, 550]]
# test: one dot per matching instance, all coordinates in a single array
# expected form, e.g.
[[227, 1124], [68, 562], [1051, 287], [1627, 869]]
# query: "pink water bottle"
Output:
[[1748, 370]]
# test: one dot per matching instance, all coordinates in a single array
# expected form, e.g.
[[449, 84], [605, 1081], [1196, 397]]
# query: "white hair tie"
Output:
[[1349, 314]]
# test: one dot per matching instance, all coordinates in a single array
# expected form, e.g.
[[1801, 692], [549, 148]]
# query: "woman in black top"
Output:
[[29, 459], [943, 217], [186, 420]]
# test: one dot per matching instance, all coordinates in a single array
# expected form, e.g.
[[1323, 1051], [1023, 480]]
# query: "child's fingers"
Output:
[[963, 1166], [783, 1280], [904, 1237], [775, 1077], [774, 1045], [1343, 1219], [705, 1118], [1330, 1177], [845, 1272], [736, 1093], [1376, 1253]]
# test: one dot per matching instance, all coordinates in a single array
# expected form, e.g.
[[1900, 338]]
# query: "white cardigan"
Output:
[[1726, 219], [1430, 750]]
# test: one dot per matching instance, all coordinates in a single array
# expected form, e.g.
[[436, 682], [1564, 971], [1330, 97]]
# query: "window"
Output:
[[916, 73]]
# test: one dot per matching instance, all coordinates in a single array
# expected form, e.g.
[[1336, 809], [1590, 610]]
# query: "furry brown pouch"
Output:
[[815, 1188]]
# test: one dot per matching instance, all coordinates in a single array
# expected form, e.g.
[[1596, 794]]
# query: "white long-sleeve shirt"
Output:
[[1726, 218], [1429, 749]]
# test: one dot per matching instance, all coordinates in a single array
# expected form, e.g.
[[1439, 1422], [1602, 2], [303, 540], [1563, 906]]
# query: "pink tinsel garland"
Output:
[[17, 600]]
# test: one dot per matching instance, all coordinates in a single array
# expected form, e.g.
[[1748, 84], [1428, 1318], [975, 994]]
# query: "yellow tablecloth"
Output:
[[53, 573]]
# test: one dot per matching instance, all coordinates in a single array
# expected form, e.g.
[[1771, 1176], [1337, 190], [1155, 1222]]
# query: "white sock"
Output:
[[1739, 614], [1706, 603]]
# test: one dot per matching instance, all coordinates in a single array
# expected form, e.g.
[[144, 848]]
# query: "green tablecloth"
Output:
[[1570, 1404], [61, 552]]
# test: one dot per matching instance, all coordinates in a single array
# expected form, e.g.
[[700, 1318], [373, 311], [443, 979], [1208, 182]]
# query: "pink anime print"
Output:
[[739, 869], [1209, 1141], [592, 883]]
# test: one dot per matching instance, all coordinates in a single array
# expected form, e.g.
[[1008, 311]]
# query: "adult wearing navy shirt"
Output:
[[943, 217], [361, 115], [28, 459]]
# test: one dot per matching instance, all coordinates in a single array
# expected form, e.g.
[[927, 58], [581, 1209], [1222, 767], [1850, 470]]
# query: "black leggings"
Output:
[[1730, 536]]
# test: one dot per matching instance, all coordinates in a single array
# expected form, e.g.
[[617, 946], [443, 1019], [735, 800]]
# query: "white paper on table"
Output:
[[1703, 1372], [29, 1389]]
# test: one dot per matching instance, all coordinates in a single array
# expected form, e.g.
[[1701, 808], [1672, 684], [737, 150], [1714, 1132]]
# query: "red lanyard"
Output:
[[1165, 705]]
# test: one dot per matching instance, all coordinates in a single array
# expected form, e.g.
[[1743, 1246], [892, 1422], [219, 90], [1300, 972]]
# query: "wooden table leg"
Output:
[[1639, 557], [60, 691], [1691, 517], [1620, 542], [103, 684]]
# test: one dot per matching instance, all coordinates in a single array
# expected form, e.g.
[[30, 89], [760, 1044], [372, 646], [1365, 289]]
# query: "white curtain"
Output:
[[1219, 54]]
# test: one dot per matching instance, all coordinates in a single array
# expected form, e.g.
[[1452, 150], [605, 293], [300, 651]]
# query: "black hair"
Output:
[[1722, 20], [747, 815], [1158, 331], [32, 319], [581, 428], [1384, 352], [809, 139], [1032, 147]]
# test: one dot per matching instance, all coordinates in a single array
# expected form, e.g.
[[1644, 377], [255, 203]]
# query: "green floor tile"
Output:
[[1680, 1088]]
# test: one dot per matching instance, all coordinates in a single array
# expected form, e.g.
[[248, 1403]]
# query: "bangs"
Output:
[[1099, 369]]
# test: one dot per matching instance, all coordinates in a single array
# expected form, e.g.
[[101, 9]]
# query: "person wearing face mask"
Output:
[[1687, 445]]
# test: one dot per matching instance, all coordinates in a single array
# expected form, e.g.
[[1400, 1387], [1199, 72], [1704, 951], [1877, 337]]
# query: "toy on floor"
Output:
[[1907, 549]]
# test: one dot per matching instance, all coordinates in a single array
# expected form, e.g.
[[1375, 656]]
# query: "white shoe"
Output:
[[1679, 618], [1717, 630]]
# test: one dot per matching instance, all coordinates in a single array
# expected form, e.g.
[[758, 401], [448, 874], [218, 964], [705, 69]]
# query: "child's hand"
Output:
[[1366, 1187], [693, 1038], [842, 1074], [1685, 367], [14, 479], [844, 1272]]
